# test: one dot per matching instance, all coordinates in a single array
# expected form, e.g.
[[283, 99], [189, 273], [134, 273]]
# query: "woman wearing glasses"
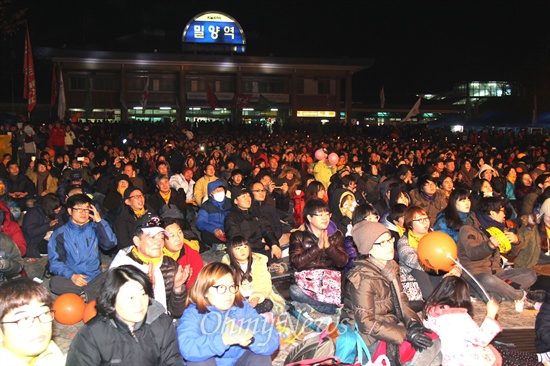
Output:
[[219, 328], [374, 301], [417, 224], [130, 327], [26, 325]]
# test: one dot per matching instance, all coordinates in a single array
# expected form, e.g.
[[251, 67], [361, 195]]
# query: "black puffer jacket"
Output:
[[105, 341], [542, 326], [252, 225]]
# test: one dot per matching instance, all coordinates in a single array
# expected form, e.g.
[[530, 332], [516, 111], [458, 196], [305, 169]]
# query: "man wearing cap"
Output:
[[167, 275], [76, 165], [374, 301], [73, 250], [211, 216], [252, 225], [133, 208]]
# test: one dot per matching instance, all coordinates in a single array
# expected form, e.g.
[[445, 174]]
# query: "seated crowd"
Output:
[[157, 199]]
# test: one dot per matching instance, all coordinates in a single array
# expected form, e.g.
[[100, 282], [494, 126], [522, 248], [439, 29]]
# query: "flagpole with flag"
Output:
[[382, 97], [145, 95], [212, 98], [414, 110], [61, 103], [29, 87]]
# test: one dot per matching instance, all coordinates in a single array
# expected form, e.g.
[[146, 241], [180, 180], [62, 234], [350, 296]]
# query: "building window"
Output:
[[77, 82]]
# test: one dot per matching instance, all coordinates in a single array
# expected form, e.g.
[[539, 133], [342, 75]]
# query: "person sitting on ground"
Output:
[[449, 312], [26, 318], [320, 245], [165, 195], [38, 224], [136, 179], [20, 187], [451, 219], [201, 191], [270, 212], [185, 185], [12, 229], [132, 209], [479, 253], [11, 263], [211, 216], [374, 301], [253, 277], [167, 276], [115, 195], [127, 315], [252, 225], [175, 247], [41, 178], [219, 328], [74, 250], [428, 197]]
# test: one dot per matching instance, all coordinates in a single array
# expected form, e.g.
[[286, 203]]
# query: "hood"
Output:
[[7, 214], [213, 185]]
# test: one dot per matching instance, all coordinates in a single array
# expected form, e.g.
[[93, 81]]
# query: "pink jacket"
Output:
[[463, 342]]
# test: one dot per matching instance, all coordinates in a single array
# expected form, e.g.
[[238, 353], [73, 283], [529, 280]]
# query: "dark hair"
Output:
[[78, 199], [241, 276], [114, 280], [477, 183], [361, 212], [10, 163], [450, 213], [542, 178], [20, 292], [423, 180], [50, 203], [396, 211], [346, 180], [488, 204], [312, 189], [499, 184], [313, 207], [262, 174], [410, 212], [452, 291]]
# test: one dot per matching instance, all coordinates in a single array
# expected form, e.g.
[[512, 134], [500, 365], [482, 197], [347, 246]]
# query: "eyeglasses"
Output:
[[137, 196], [81, 209], [258, 191], [28, 321], [221, 289], [423, 220], [323, 215], [383, 243]]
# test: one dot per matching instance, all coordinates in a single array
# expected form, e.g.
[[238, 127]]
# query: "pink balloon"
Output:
[[333, 158], [319, 154]]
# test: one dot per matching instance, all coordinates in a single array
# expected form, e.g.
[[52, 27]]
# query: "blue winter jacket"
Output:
[[200, 335], [74, 249], [212, 214], [441, 224]]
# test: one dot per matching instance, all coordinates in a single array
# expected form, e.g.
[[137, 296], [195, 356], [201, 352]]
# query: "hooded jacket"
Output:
[[212, 214], [12, 229]]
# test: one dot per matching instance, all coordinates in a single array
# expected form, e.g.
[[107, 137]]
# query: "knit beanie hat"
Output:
[[365, 234]]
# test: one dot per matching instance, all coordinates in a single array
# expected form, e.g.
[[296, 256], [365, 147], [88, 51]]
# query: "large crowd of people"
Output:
[[350, 203]]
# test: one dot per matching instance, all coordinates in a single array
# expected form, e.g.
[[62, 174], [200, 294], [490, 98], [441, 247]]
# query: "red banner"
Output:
[[29, 88], [212, 98]]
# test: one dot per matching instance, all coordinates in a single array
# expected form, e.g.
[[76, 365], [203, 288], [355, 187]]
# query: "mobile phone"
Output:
[[80, 158], [33, 158]]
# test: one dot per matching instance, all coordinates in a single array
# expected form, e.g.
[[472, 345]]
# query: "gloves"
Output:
[[4, 264], [416, 336]]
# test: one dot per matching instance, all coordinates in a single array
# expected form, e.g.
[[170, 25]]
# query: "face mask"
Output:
[[219, 196]]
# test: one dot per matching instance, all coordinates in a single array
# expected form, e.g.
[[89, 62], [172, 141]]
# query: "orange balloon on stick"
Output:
[[89, 311], [68, 309], [434, 250]]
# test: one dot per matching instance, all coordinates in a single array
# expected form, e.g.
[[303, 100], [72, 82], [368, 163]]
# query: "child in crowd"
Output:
[[449, 312], [253, 277]]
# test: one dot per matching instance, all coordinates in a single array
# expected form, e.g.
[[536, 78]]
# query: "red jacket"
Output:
[[57, 136], [194, 259], [12, 229]]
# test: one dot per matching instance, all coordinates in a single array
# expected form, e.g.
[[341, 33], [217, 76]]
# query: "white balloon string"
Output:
[[469, 274]]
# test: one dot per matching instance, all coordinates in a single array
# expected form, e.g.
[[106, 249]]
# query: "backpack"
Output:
[[312, 348]]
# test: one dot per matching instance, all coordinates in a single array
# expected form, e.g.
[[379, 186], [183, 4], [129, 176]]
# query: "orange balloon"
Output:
[[433, 251], [89, 311], [68, 309]]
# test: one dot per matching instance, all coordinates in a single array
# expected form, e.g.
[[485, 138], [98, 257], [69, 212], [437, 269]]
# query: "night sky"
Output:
[[418, 46]]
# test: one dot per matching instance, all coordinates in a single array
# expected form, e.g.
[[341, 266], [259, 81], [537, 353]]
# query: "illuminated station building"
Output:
[[201, 75]]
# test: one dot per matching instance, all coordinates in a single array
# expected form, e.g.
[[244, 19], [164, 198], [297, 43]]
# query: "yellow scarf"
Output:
[[400, 230], [140, 213], [170, 254], [121, 191], [414, 239], [165, 197], [146, 260]]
